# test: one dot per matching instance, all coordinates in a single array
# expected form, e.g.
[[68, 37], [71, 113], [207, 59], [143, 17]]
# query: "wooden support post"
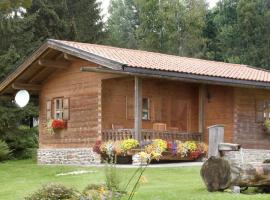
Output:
[[138, 108], [216, 136], [202, 92]]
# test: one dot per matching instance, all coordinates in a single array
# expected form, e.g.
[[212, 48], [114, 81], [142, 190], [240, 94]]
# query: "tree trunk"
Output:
[[218, 174]]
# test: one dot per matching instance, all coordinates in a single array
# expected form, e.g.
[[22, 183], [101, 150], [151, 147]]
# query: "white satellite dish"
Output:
[[22, 98]]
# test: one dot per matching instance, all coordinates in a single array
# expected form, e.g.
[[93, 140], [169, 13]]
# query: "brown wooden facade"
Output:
[[96, 101], [99, 101]]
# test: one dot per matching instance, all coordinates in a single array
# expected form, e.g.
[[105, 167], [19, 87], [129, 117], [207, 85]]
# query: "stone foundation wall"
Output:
[[249, 155], [68, 156]]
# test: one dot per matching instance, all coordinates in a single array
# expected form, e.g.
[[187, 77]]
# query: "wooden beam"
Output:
[[26, 86], [70, 57], [202, 94], [138, 108], [31, 80], [53, 63]]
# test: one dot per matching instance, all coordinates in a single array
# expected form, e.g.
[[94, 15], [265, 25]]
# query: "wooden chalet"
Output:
[[110, 93]]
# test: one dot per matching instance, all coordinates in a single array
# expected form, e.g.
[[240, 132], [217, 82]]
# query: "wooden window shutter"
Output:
[[49, 109], [129, 108], [54, 109], [259, 111], [66, 108]]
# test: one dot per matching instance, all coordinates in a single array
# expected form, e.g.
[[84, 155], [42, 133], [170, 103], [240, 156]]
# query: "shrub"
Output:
[[4, 150], [23, 141], [54, 192]]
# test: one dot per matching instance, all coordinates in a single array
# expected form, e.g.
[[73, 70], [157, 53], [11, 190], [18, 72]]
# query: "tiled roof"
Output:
[[164, 62]]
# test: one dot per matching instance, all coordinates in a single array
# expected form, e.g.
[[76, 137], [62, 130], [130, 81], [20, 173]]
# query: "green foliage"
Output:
[[112, 178], [234, 31], [20, 34], [122, 24], [54, 192], [239, 32], [4, 150], [14, 5], [167, 26], [22, 140]]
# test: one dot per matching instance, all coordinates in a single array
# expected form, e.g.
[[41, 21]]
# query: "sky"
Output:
[[105, 4]]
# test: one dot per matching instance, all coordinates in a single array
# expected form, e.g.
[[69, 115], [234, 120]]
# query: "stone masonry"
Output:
[[68, 156], [249, 155]]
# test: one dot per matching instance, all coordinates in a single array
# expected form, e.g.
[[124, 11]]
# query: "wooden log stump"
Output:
[[219, 174]]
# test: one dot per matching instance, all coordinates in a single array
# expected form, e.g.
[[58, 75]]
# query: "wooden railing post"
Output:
[[138, 108]]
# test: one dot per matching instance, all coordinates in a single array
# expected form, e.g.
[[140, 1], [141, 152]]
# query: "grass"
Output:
[[20, 178]]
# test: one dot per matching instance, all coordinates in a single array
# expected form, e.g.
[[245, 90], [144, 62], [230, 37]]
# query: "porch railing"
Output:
[[122, 134]]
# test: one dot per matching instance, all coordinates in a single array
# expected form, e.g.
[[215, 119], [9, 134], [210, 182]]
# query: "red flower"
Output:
[[195, 154], [96, 147], [169, 145], [58, 124]]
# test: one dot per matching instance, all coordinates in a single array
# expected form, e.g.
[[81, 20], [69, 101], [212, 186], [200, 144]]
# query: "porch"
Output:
[[146, 109]]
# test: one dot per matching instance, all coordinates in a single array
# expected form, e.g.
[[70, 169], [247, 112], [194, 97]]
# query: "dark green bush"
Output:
[[54, 192], [23, 142], [4, 150], [20, 138]]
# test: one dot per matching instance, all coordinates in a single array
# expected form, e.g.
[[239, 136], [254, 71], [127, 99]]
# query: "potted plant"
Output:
[[266, 125]]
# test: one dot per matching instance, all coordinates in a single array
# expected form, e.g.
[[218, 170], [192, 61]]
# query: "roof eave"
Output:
[[134, 71], [199, 78]]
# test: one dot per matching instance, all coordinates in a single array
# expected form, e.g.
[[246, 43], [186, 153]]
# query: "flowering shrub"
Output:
[[111, 148], [191, 149], [129, 144], [156, 148], [107, 148]]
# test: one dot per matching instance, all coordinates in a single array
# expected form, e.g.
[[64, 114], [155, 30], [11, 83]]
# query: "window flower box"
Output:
[[59, 124]]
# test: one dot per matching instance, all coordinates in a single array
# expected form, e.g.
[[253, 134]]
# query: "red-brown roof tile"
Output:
[[158, 61]]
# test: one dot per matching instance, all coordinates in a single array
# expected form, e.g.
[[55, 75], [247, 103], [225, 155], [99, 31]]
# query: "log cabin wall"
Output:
[[173, 103], [248, 130], [219, 108], [84, 92]]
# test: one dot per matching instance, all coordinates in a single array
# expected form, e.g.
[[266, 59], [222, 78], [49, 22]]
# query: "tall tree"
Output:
[[122, 24], [172, 26], [193, 42], [86, 20], [240, 32], [21, 33]]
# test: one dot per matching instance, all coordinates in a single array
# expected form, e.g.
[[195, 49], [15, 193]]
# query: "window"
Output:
[[130, 108], [262, 110], [58, 108], [146, 109]]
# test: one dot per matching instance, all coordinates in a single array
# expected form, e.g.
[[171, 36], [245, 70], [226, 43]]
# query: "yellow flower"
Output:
[[129, 144], [156, 155]]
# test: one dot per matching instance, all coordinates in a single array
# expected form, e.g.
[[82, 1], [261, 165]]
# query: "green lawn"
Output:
[[19, 178]]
